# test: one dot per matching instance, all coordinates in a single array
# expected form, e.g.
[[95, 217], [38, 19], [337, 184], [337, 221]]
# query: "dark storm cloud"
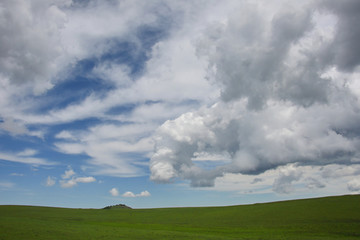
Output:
[[344, 51]]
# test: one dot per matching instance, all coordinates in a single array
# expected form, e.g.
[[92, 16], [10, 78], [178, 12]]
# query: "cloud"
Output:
[[236, 90], [288, 174], [75, 180], [28, 152], [114, 192], [26, 157], [144, 194], [292, 180], [70, 180], [50, 181], [283, 100], [344, 51], [129, 194], [68, 174], [109, 147], [132, 195], [354, 185], [23, 61], [65, 135], [85, 179], [17, 174], [256, 180], [68, 183], [142, 53], [314, 183]]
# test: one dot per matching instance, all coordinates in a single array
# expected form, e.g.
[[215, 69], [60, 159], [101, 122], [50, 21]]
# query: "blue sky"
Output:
[[178, 103]]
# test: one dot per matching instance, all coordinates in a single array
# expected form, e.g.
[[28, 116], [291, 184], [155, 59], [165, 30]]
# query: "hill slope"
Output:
[[321, 218]]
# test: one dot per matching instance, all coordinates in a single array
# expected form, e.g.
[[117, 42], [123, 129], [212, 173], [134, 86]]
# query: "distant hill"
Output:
[[117, 206]]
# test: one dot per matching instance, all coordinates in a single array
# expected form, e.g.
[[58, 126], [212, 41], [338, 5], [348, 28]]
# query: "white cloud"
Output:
[[65, 135], [68, 183], [109, 147], [144, 194], [132, 195], [128, 194], [70, 180], [85, 179], [75, 180], [68, 173], [27, 152], [114, 192], [50, 181]]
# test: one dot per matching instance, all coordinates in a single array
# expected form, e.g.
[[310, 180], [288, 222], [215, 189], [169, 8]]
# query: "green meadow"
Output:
[[321, 218]]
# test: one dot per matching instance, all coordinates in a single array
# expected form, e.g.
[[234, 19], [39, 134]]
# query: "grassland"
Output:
[[321, 218]]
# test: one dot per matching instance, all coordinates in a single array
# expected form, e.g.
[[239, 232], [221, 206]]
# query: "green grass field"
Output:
[[321, 218]]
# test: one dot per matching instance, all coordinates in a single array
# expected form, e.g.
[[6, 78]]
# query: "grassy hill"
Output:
[[321, 218]]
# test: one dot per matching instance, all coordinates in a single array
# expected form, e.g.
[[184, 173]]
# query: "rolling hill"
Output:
[[321, 218]]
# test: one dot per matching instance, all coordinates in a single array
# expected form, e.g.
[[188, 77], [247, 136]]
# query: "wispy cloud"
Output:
[[17, 174], [26, 157], [50, 181], [7, 185]]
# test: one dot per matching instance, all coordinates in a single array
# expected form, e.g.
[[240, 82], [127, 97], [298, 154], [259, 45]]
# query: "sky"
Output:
[[166, 103]]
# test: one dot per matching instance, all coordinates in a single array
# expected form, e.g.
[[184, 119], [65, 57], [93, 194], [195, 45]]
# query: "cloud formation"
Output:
[[132, 195], [287, 97], [235, 89], [114, 192], [26, 156], [70, 180]]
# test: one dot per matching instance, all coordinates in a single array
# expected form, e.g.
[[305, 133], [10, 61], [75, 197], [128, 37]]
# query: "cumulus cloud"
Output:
[[75, 180], [284, 100], [68, 173], [114, 192], [144, 194], [132, 195], [128, 194], [68, 183], [70, 180]]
